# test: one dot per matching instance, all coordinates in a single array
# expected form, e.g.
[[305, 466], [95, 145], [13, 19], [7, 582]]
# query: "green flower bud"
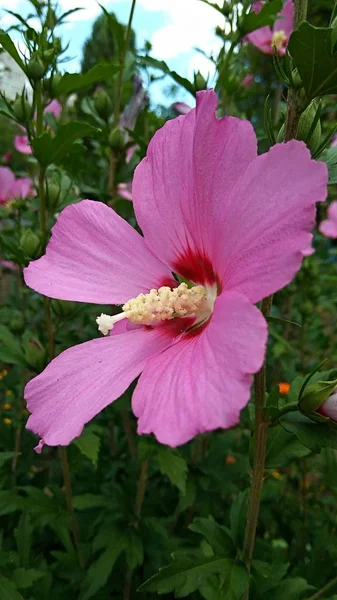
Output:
[[35, 67], [35, 354], [297, 81], [116, 139], [22, 109], [30, 244], [53, 83], [304, 126], [62, 308], [281, 134], [306, 307], [51, 19], [17, 324], [57, 45], [200, 82], [319, 401], [102, 103], [48, 56], [53, 194]]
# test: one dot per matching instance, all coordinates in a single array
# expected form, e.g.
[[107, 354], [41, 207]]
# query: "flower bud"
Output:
[[319, 401], [22, 109], [304, 127], [62, 308], [48, 55], [116, 139], [103, 104], [30, 244], [199, 82], [35, 67], [51, 19], [53, 193], [35, 354]]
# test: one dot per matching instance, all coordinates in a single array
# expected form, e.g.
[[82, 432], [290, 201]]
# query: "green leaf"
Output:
[[279, 320], [215, 6], [314, 436], [291, 589], [185, 576], [216, 535], [266, 16], [7, 590], [24, 578], [89, 443], [23, 538], [9, 46], [116, 28], [99, 572], [88, 501], [71, 82], [134, 549], [5, 456], [330, 158], [236, 582], [238, 517], [283, 448], [173, 466], [52, 149], [311, 49], [148, 61], [271, 571], [10, 349]]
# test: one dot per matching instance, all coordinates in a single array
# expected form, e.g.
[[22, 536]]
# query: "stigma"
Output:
[[278, 39], [161, 305]]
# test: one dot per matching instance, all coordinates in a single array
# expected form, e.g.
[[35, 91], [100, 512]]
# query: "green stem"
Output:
[[291, 407], [324, 590], [117, 107], [260, 438], [69, 497]]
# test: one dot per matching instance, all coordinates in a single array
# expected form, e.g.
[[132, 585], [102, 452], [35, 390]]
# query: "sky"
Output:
[[174, 27]]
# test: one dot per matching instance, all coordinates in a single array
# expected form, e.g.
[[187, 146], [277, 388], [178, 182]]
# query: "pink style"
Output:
[[268, 39], [232, 223]]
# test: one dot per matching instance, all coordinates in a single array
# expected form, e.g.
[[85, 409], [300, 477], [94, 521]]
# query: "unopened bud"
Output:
[[53, 194], [319, 401], [22, 109], [304, 127], [62, 308], [35, 354], [102, 103], [35, 67], [199, 82], [51, 19], [30, 243], [47, 56], [116, 139]]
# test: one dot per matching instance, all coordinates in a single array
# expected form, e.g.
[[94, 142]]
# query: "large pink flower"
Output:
[[233, 223], [269, 39], [329, 226]]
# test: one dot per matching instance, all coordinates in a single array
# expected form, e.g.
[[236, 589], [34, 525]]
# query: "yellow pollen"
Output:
[[165, 303], [278, 39], [159, 305]]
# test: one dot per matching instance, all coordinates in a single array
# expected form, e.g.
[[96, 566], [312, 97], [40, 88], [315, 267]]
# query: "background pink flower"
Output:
[[233, 223], [329, 226], [7, 180], [124, 190], [266, 38], [22, 145], [247, 81]]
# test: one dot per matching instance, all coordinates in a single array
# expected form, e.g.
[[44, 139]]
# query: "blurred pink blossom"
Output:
[[329, 226], [7, 157], [247, 81], [269, 39], [11, 188], [124, 190]]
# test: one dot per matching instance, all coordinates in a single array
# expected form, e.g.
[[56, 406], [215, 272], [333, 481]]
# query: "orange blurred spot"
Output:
[[6, 406], [276, 474], [8, 393], [284, 387], [8, 421], [230, 460]]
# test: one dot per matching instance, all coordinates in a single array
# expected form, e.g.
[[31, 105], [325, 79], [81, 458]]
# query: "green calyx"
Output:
[[314, 396]]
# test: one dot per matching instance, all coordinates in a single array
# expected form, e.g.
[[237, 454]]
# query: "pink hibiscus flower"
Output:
[[269, 39], [232, 223], [11, 188], [21, 142], [329, 226]]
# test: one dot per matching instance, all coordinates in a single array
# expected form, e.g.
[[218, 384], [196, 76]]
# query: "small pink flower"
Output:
[[22, 188], [268, 39], [22, 145], [7, 180], [329, 226], [247, 81], [181, 108], [211, 210], [54, 107], [124, 190]]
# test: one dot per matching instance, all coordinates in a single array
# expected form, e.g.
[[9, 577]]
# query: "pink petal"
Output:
[[95, 256], [179, 190], [329, 407], [181, 108], [54, 107], [22, 188], [329, 226], [285, 20], [247, 81], [261, 39], [130, 152], [7, 179], [84, 379], [21, 144], [7, 264], [124, 190], [269, 218], [201, 383]]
